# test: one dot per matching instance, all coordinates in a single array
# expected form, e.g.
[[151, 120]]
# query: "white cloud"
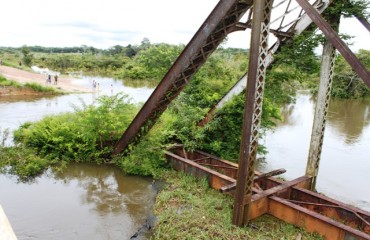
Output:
[[115, 22]]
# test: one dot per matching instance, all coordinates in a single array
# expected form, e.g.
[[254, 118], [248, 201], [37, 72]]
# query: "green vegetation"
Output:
[[8, 83], [22, 161], [85, 135], [27, 56], [188, 209], [89, 134], [346, 82]]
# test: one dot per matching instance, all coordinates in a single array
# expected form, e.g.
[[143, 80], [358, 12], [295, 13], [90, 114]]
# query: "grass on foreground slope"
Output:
[[188, 209]]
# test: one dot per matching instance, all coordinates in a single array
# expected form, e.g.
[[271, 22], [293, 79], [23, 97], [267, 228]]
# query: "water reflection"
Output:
[[140, 83], [23, 98], [293, 113], [86, 201], [349, 118], [110, 191], [344, 162]]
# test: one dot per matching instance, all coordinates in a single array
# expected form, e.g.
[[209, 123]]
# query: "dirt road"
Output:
[[65, 84]]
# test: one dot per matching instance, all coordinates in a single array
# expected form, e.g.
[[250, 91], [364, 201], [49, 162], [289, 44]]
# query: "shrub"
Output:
[[83, 136]]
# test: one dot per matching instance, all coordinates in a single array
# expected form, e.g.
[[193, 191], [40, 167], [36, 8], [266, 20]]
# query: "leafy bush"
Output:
[[147, 158], [347, 84], [83, 136]]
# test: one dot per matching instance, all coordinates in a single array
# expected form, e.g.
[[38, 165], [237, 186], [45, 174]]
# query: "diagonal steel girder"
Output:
[[222, 20], [301, 24], [333, 37]]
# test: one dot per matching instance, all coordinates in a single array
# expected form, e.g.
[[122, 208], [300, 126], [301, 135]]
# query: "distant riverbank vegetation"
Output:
[[296, 63], [86, 136]]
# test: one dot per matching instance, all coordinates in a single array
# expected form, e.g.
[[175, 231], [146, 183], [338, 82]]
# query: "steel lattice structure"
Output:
[[282, 20]]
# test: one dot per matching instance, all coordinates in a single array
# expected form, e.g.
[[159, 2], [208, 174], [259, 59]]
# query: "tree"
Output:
[[130, 51], [347, 84], [145, 44], [27, 56]]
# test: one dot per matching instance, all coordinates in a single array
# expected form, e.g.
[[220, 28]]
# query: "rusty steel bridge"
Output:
[[259, 193]]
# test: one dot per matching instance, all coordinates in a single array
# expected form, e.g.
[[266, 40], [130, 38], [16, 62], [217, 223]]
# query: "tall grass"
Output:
[[8, 83], [39, 88]]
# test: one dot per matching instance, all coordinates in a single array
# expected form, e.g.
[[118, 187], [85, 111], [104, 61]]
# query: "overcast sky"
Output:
[[103, 24]]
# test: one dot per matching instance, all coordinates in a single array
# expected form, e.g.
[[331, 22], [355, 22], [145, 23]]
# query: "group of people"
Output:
[[48, 79], [95, 85]]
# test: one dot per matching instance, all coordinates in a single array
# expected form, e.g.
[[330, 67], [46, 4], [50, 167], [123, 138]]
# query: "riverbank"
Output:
[[64, 84]]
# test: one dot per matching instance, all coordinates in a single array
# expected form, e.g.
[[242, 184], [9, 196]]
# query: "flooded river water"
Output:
[[85, 201], [99, 202], [345, 159]]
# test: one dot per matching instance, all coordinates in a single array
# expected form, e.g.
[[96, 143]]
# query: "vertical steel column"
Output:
[[253, 109], [322, 103]]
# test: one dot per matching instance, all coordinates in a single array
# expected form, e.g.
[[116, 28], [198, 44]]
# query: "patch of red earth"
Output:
[[12, 91]]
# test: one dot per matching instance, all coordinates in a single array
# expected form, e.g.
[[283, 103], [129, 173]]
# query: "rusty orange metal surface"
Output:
[[289, 201]]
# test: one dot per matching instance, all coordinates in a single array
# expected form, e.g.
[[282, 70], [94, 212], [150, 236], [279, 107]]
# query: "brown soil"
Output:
[[12, 91], [64, 83]]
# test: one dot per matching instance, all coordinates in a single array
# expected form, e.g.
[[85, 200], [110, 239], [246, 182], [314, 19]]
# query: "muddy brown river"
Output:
[[85, 201], [345, 159]]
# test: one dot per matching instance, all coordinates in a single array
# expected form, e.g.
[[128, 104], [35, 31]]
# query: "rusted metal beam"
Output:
[[352, 216], [259, 203], [216, 166], [253, 109], [270, 174], [200, 159], [333, 37], [258, 177], [288, 201], [216, 180], [364, 22], [212, 32], [312, 221], [301, 24], [329, 209]]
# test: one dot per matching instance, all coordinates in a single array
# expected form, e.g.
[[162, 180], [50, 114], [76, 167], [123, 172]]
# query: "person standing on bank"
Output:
[[55, 79], [48, 80]]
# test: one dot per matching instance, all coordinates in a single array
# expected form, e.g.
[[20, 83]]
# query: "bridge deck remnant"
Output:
[[289, 201]]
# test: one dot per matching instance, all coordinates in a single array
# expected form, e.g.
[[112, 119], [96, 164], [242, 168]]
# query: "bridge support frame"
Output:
[[321, 110], [252, 109], [289, 201]]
